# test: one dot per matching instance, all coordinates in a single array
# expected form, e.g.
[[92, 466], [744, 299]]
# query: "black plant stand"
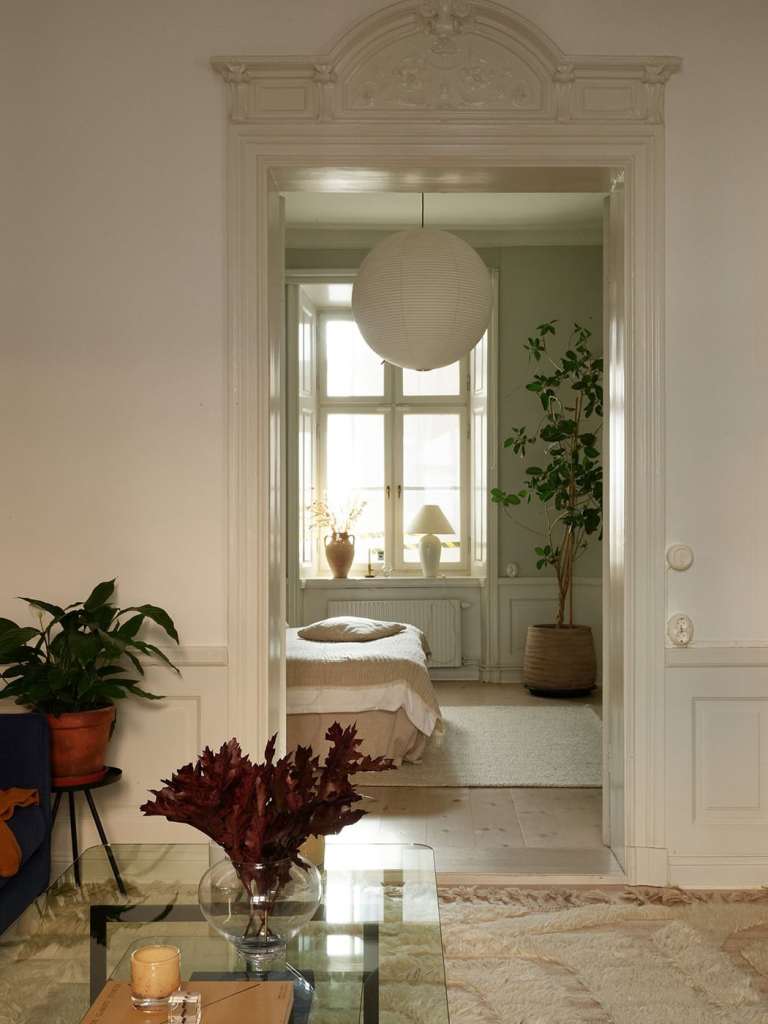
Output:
[[113, 775]]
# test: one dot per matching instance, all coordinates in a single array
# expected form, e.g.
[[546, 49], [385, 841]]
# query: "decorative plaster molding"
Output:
[[443, 20], [719, 654], [462, 59], [547, 583], [189, 655]]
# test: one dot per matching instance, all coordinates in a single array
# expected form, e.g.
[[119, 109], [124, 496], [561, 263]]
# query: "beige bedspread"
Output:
[[382, 734], [379, 675]]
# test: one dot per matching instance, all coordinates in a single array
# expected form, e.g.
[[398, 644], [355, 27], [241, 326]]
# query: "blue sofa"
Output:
[[25, 762]]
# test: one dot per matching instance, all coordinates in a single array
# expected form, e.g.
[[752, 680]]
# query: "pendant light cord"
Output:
[[422, 209]]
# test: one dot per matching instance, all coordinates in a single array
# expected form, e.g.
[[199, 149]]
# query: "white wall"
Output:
[[111, 423]]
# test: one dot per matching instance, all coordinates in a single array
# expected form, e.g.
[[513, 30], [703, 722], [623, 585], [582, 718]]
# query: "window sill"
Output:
[[391, 582]]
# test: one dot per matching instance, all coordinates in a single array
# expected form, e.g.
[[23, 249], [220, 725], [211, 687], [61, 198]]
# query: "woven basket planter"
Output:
[[559, 661]]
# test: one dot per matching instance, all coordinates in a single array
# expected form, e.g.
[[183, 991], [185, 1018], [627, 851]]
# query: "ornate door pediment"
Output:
[[446, 60]]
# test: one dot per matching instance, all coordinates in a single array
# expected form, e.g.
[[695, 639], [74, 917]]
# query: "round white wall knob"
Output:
[[679, 557]]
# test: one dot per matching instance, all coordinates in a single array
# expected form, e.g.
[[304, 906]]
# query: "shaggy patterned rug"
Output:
[[624, 956], [508, 746], [512, 956]]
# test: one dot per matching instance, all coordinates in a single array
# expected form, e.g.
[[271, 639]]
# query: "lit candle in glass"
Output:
[[155, 975]]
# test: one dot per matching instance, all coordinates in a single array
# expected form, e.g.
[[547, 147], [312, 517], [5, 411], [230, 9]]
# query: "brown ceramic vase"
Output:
[[340, 552]]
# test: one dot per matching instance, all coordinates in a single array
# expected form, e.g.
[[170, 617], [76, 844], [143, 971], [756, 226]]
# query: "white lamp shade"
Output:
[[430, 519], [422, 298]]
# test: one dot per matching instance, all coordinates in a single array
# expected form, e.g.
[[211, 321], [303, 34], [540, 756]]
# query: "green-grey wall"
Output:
[[536, 283]]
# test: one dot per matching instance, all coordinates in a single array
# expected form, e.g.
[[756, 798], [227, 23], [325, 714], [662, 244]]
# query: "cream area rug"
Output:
[[629, 956], [512, 956], [508, 746]]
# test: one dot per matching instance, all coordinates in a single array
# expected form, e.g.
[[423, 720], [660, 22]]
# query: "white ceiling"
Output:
[[482, 211], [329, 296]]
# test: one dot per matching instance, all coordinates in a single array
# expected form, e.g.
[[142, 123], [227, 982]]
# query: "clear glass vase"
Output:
[[259, 908]]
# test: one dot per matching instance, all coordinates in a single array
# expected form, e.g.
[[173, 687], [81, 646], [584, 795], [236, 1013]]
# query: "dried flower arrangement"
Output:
[[339, 522], [262, 813]]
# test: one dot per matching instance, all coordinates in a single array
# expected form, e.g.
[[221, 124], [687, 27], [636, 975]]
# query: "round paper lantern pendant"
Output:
[[422, 298]]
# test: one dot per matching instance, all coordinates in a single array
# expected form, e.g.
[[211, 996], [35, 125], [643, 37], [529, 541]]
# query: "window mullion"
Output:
[[322, 423], [396, 499]]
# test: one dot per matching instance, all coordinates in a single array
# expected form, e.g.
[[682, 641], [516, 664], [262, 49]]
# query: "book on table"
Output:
[[224, 1002]]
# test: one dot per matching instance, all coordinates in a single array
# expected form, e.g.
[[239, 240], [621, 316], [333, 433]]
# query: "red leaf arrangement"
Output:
[[262, 813]]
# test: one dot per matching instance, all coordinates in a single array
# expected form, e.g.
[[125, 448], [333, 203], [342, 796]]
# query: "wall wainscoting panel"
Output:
[[717, 745], [730, 776], [151, 740], [525, 602]]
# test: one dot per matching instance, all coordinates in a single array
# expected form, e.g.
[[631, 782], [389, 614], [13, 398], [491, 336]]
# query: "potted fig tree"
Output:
[[567, 481], [73, 666]]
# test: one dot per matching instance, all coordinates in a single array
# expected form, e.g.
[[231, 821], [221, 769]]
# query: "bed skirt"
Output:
[[384, 733]]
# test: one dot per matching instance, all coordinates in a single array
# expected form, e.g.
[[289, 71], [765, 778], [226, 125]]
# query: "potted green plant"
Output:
[[568, 483], [73, 667]]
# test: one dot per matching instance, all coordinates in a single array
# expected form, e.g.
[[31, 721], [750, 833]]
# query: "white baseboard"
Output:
[[647, 865], [511, 674], [463, 672], [502, 674], [691, 871]]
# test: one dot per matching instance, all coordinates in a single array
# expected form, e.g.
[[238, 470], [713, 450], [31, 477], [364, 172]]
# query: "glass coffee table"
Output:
[[372, 955]]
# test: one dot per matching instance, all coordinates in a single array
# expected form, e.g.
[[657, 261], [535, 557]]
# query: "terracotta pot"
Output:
[[559, 661], [79, 742], [340, 552]]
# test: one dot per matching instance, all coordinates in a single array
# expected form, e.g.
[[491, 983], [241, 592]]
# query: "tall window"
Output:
[[396, 439]]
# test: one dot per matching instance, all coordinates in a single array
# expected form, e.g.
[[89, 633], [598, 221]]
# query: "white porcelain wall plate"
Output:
[[680, 629]]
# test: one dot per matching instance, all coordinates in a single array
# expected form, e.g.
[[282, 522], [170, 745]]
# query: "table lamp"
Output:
[[428, 521]]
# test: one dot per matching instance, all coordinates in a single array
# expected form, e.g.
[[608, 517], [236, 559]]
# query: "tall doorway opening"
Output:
[[517, 784]]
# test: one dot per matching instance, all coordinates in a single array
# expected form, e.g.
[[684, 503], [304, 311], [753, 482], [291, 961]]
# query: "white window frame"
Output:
[[306, 407], [425, 407], [393, 405]]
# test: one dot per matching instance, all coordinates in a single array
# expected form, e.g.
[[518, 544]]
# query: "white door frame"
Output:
[[409, 101]]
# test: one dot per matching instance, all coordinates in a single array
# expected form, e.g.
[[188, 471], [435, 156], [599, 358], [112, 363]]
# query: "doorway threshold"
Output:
[[527, 866]]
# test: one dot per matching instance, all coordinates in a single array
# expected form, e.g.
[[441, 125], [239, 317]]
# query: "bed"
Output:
[[383, 685]]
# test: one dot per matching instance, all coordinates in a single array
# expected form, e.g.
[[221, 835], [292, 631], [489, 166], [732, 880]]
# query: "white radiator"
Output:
[[440, 622]]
